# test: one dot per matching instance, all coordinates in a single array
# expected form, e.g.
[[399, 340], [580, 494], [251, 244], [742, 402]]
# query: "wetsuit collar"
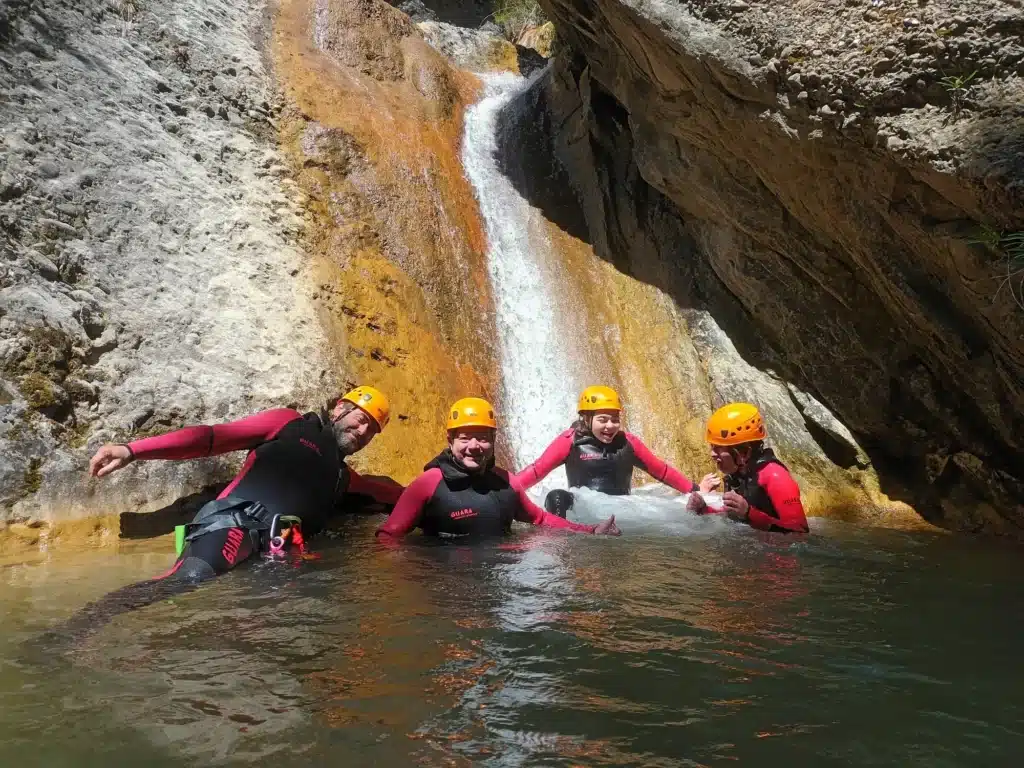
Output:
[[756, 461], [588, 438]]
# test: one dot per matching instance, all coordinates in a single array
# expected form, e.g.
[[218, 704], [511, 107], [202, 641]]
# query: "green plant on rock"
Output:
[[516, 16], [957, 86], [1009, 246], [37, 391], [32, 478]]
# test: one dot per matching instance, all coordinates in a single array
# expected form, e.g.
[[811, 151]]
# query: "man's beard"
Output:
[[348, 442]]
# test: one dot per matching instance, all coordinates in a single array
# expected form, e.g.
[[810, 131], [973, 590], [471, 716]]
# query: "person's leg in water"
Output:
[[558, 502], [209, 555]]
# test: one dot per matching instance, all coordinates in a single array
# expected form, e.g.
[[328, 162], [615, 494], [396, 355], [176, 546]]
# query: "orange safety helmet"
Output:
[[599, 398], [735, 424], [373, 401], [471, 412]]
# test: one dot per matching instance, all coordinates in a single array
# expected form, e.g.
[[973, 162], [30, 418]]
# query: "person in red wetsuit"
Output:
[[295, 467], [599, 454], [759, 490], [462, 493]]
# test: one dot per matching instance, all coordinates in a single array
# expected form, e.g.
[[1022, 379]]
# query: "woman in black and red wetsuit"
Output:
[[462, 493], [599, 454], [759, 490]]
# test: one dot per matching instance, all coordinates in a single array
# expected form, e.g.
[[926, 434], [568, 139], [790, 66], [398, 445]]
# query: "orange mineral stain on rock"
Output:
[[373, 130]]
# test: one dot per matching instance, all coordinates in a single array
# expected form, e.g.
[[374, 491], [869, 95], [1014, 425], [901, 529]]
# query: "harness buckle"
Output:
[[285, 529]]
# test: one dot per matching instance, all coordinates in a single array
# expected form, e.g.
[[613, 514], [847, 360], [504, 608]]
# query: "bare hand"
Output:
[[736, 506], [696, 504], [608, 528], [709, 482], [109, 458]]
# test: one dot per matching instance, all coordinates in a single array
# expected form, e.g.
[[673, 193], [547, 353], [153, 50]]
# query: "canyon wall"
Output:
[[816, 179]]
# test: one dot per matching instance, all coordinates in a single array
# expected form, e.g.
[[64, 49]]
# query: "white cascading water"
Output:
[[538, 398]]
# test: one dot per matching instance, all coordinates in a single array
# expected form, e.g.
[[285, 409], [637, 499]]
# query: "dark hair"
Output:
[[582, 425]]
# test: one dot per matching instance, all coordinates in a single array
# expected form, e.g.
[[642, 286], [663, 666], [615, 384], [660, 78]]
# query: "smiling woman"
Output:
[[462, 493], [600, 455]]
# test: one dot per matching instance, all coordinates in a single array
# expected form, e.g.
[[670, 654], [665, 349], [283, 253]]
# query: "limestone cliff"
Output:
[[208, 208], [150, 268], [838, 185]]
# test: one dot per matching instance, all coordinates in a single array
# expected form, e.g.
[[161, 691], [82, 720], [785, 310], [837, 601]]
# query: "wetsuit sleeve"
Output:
[[406, 514], [659, 469], [784, 494], [529, 512], [204, 440], [384, 493], [554, 455]]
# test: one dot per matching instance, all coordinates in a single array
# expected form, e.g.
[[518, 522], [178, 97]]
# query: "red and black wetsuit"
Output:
[[448, 499], [772, 493], [294, 467], [605, 467]]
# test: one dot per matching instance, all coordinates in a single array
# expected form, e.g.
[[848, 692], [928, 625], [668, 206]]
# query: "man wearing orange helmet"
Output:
[[295, 471], [599, 454], [759, 490], [462, 493]]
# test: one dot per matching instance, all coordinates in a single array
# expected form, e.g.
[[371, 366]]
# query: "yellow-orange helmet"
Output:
[[471, 412], [599, 399], [734, 424], [373, 401]]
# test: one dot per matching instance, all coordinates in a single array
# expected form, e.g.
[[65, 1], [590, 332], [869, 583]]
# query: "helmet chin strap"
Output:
[[738, 459]]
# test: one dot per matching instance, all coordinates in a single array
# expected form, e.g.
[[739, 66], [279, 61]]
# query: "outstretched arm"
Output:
[[657, 468], [553, 456], [529, 512], [406, 514], [194, 442]]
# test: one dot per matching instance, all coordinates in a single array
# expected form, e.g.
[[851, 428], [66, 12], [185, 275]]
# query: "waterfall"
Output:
[[538, 396]]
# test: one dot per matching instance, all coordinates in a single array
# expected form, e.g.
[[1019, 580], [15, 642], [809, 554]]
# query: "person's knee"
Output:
[[194, 569], [559, 502]]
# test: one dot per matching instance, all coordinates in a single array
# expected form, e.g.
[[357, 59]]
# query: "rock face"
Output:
[[473, 49], [817, 178], [149, 269], [372, 131]]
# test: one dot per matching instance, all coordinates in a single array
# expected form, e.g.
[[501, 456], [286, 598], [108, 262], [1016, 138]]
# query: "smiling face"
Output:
[[605, 425], [353, 428], [472, 447]]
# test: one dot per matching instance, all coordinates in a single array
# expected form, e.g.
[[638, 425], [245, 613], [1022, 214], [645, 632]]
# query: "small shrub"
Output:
[[516, 16], [1009, 246], [958, 86]]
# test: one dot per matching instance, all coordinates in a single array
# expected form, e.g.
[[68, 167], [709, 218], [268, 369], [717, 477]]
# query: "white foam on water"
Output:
[[649, 508]]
